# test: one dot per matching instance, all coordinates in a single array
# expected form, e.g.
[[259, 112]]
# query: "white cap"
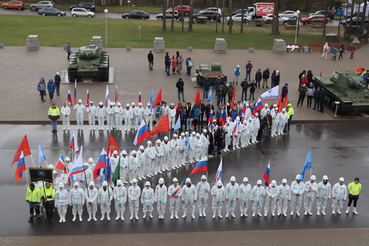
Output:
[[92, 183], [325, 177], [166, 138], [259, 182], [256, 114], [133, 152], [298, 176], [158, 141], [214, 120], [134, 181], [79, 100], [172, 104], [284, 181], [147, 183], [54, 172], [237, 118], [148, 104], [233, 178], [91, 102], [203, 177], [175, 180], [76, 184], [115, 152], [197, 135], [61, 185], [161, 181], [342, 179], [86, 164], [100, 103], [142, 147], [188, 180], [182, 134], [283, 110], [124, 152], [113, 103], [202, 130], [119, 182], [105, 183], [250, 118], [139, 104], [175, 135], [266, 105], [313, 177], [133, 103], [50, 166], [219, 183], [193, 133], [245, 179], [274, 183], [90, 159], [149, 142], [127, 105], [119, 104], [57, 73]]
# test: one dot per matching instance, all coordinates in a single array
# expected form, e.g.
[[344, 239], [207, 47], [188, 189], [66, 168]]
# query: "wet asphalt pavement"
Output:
[[338, 149]]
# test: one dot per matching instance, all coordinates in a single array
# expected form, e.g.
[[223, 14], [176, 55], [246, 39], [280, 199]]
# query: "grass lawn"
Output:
[[56, 31]]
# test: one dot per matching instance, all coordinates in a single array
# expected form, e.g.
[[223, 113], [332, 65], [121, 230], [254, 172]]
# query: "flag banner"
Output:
[[242, 116], [218, 175], [197, 98], [69, 99], [151, 98], [180, 186], [41, 155], [284, 103], [107, 170], [161, 126], [100, 164], [235, 130], [201, 166], [210, 97], [266, 175], [271, 94], [116, 93], [61, 165], [87, 98], [157, 99], [41, 174], [116, 174], [21, 166], [77, 166], [73, 144], [23, 146], [258, 106], [139, 98], [178, 124], [107, 97], [75, 92], [142, 133], [233, 98], [307, 165], [112, 146]]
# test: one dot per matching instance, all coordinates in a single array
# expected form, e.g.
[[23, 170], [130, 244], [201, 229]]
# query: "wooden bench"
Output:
[[338, 46], [300, 45], [316, 46]]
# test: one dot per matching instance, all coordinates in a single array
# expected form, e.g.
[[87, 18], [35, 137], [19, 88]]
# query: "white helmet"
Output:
[[115, 152], [50, 166], [90, 160], [237, 118], [342, 179], [147, 183], [119, 182], [284, 181], [148, 104], [92, 183], [233, 178], [188, 180], [158, 141], [119, 104], [67, 158], [142, 147], [245, 179], [256, 114], [219, 183], [100, 103], [182, 134], [105, 183], [127, 105], [166, 138], [325, 177], [193, 133], [198, 135], [79, 100], [161, 181], [133, 152], [124, 152], [139, 104], [61, 185], [134, 181], [203, 131], [203, 177], [274, 183], [91, 102], [298, 176], [259, 182], [266, 105], [149, 142], [133, 103], [76, 184], [175, 180], [175, 135], [313, 177]]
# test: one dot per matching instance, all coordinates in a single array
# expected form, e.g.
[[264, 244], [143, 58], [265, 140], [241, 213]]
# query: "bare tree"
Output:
[[348, 30], [275, 24], [230, 16], [216, 24], [357, 21], [172, 16], [242, 9], [182, 18], [191, 17], [325, 18], [223, 17], [339, 23], [164, 16], [362, 21]]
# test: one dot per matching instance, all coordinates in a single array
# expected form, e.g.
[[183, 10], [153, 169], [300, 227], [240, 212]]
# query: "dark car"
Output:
[[212, 16], [88, 6], [239, 11], [51, 12], [137, 14], [355, 21], [330, 13]]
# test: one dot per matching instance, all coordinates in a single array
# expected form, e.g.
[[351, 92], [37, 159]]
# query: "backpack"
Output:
[[190, 63]]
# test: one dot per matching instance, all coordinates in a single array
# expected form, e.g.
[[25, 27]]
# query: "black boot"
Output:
[[30, 219]]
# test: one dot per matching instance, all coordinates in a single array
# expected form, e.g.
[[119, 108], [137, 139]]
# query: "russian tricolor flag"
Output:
[[142, 133], [222, 118], [218, 175], [73, 144], [107, 97], [87, 98], [202, 166], [235, 130], [139, 98], [77, 166], [107, 170], [61, 165], [21, 166], [75, 92], [259, 106], [100, 164], [69, 99], [211, 118], [243, 110], [266, 175], [116, 93]]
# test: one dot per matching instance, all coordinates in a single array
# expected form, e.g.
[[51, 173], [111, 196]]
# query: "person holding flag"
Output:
[[161, 198], [138, 115], [203, 189], [87, 177], [244, 194], [297, 189], [65, 111], [284, 198], [91, 194], [257, 197], [218, 193], [77, 200], [33, 199], [174, 193], [120, 197], [134, 193], [105, 196]]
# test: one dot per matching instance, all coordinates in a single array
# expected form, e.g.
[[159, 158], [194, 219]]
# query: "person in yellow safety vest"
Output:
[[290, 112], [54, 115], [354, 189], [33, 199], [48, 196]]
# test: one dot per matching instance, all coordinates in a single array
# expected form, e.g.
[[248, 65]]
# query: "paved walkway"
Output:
[[22, 69], [273, 237]]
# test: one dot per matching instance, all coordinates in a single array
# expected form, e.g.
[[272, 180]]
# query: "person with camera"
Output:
[[54, 115]]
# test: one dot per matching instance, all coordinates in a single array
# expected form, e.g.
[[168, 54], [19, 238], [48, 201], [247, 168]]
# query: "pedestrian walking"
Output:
[[334, 52], [167, 65], [248, 70], [302, 94], [341, 50], [284, 91], [325, 51], [266, 75], [189, 65], [352, 50], [244, 86], [258, 76], [150, 58], [252, 86], [54, 115], [237, 72], [180, 62], [354, 189], [51, 86], [180, 87], [68, 50], [41, 87], [174, 64], [57, 80], [165, 61]]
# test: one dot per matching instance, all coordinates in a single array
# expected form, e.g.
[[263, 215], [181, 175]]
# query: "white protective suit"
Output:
[[256, 125], [296, 188], [120, 197], [104, 199], [272, 193], [101, 115], [174, 152], [231, 197], [134, 193], [244, 194], [110, 111], [141, 162], [339, 195], [257, 196], [150, 158], [203, 189], [139, 112], [91, 111], [191, 148], [205, 145], [274, 114], [148, 116], [127, 116], [228, 130], [133, 167], [61, 202], [172, 117], [161, 195], [77, 200], [311, 189], [124, 164], [189, 197], [147, 200], [283, 120], [91, 195], [218, 194], [283, 199], [323, 194], [182, 150], [175, 200], [65, 111], [166, 155], [118, 116], [158, 163], [134, 125], [80, 109], [198, 148]]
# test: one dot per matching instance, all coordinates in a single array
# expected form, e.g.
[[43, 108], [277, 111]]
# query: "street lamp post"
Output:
[[106, 26], [297, 25]]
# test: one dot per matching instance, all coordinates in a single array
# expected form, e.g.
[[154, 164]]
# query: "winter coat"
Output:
[[303, 91], [252, 86], [317, 95], [207, 83], [310, 91], [230, 90], [150, 57], [237, 71], [284, 91], [57, 79], [266, 74], [218, 82], [41, 86], [258, 76], [174, 63], [248, 66], [180, 85], [244, 85], [322, 95], [51, 86], [276, 79]]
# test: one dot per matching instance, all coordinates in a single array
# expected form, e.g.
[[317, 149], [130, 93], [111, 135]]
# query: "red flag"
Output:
[[321, 72], [359, 70], [23, 146], [112, 146], [157, 100], [279, 100], [233, 97], [161, 126], [283, 104], [197, 97]]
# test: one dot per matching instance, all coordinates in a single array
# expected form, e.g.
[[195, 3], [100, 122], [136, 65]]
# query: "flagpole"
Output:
[[32, 160], [26, 174]]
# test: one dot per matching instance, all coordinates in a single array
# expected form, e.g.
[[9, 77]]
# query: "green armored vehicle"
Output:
[[89, 62], [204, 71], [346, 87]]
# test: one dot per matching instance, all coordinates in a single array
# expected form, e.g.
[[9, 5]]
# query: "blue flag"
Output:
[[151, 98], [186, 143], [307, 165], [178, 124], [107, 170], [210, 97], [41, 155]]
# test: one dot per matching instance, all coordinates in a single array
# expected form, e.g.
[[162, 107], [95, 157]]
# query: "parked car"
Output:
[[212, 9], [269, 19], [137, 14], [355, 21], [168, 15], [88, 6], [239, 11], [289, 14], [51, 12], [307, 20], [13, 5], [42, 4], [186, 10], [212, 16], [238, 18], [330, 13], [81, 12]]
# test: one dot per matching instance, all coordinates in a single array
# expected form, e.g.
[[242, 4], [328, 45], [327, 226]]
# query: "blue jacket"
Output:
[[365, 77], [188, 63], [196, 112], [334, 50], [233, 114], [181, 114], [284, 91], [237, 71], [51, 86], [218, 82], [207, 83]]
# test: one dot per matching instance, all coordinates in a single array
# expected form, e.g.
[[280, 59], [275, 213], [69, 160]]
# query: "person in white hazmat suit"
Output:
[[158, 157], [283, 120], [257, 196], [236, 136], [228, 130], [174, 152], [105, 196], [134, 125], [218, 193], [274, 114], [77, 200], [124, 164], [250, 126], [198, 148], [80, 110], [231, 196], [256, 125], [297, 191], [175, 200], [101, 115], [139, 113], [110, 111], [182, 150], [148, 116], [189, 197], [244, 194], [339, 195], [118, 116], [91, 194], [172, 116], [272, 193], [147, 200], [284, 198], [244, 133], [91, 111], [203, 189], [127, 116], [205, 144], [61, 202], [166, 155], [142, 162], [120, 198], [150, 158], [161, 195], [323, 195], [134, 193], [311, 189], [133, 166], [65, 112], [192, 147]]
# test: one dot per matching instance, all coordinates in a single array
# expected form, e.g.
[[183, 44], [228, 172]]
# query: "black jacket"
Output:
[[187, 112], [258, 76], [266, 74], [208, 108], [322, 95], [317, 95], [180, 85], [202, 108], [207, 83], [252, 87], [303, 91], [150, 57], [219, 135], [244, 85], [57, 79]]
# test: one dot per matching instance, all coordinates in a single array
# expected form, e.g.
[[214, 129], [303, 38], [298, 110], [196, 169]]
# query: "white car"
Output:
[[289, 14], [238, 18], [212, 9], [81, 12], [269, 19]]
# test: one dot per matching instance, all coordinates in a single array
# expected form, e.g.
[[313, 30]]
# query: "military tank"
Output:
[[89, 62], [346, 87], [212, 72]]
